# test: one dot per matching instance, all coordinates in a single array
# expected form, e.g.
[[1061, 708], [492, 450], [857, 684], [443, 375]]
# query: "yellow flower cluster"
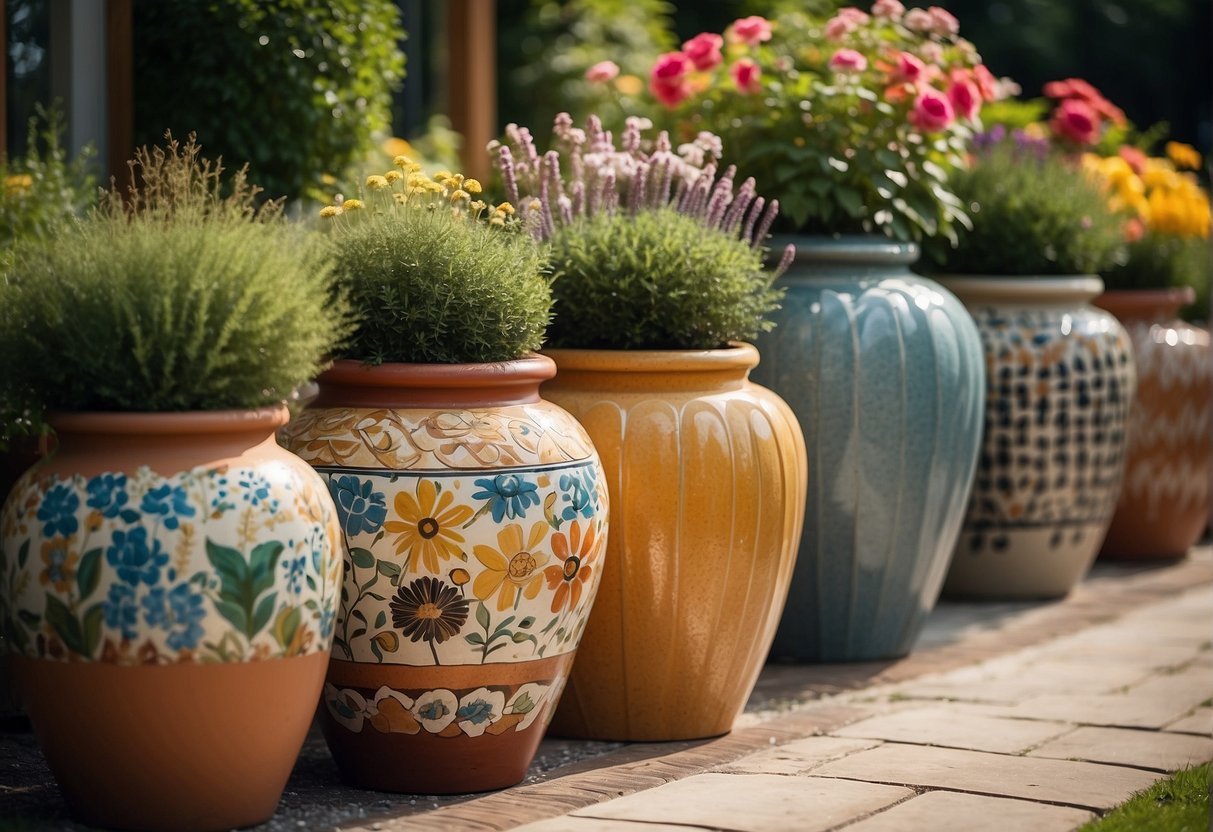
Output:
[[1166, 200], [17, 183], [418, 189]]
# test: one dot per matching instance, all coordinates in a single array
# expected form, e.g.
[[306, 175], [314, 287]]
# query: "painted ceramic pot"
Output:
[[1164, 502], [475, 517], [1060, 382], [706, 472], [883, 369], [21, 455], [169, 585]]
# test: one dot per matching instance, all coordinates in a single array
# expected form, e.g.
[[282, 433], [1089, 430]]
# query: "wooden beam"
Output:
[[472, 37], [4, 80], [119, 88]]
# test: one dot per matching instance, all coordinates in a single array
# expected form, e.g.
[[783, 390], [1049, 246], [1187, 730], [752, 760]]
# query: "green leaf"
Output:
[[261, 617], [474, 638], [527, 622], [232, 569], [263, 560], [482, 615], [23, 554], [388, 569], [375, 649], [93, 619], [380, 620], [89, 573], [65, 624], [286, 625], [850, 200], [234, 613], [363, 558]]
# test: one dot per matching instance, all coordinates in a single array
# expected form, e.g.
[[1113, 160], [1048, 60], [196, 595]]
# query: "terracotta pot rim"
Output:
[[532, 368], [736, 356], [868, 249], [1023, 288], [263, 420], [1147, 299]]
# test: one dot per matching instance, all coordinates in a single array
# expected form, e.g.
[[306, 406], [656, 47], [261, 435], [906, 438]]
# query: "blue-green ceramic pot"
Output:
[[884, 370]]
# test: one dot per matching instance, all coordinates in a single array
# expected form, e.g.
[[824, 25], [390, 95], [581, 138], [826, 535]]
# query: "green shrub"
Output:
[[298, 88], [1161, 261], [433, 281], [170, 297], [1032, 213], [656, 280]]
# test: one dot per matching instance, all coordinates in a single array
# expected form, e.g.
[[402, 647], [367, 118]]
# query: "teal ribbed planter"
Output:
[[884, 370]]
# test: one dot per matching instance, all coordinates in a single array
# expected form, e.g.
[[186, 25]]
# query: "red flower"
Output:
[[1076, 88], [668, 80], [965, 98], [986, 83], [1075, 120], [704, 50], [909, 68], [747, 76], [932, 111]]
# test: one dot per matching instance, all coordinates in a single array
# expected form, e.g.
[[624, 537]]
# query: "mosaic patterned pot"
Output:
[[1164, 502], [169, 583], [1060, 382], [706, 472], [883, 369], [475, 518]]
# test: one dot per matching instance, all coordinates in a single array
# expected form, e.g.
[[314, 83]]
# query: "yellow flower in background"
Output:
[[1166, 200], [17, 183], [376, 182], [351, 204], [472, 186], [1183, 155], [397, 147], [330, 211], [393, 176]]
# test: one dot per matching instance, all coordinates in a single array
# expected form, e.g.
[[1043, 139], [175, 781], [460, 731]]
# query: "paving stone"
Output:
[[798, 757], [1121, 746], [1087, 785], [1017, 683], [1199, 721], [1128, 631], [953, 728], [751, 802], [941, 811], [568, 823], [1144, 656]]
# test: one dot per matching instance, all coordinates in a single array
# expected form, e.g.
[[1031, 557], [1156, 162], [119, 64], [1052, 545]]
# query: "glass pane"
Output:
[[28, 66]]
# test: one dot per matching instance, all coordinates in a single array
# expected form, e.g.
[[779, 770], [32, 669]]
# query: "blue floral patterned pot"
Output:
[[160, 576], [1061, 382], [474, 514], [883, 369]]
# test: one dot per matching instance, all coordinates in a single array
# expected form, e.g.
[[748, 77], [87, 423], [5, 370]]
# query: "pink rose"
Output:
[[747, 76], [918, 20], [854, 15], [704, 50], [931, 52], [838, 28], [1076, 120], [751, 30], [909, 68], [888, 8], [932, 111], [848, 60], [602, 72], [986, 83], [668, 80], [942, 21], [965, 97]]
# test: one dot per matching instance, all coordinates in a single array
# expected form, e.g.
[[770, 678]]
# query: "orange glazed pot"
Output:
[[168, 584], [706, 473], [1164, 500], [474, 515]]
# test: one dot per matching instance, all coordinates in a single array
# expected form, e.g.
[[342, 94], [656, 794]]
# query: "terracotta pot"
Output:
[[1060, 382], [883, 368], [706, 472], [474, 514], [161, 572], [1164, 503]]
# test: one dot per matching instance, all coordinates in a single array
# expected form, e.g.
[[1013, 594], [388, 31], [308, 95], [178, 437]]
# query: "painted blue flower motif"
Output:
[[509, 495], [121, 610], [135, 561], [577, 489], [172, 502], [180, 611], [326, 622], [107, 494], [359, 506], [255, 489], [475, 712], [58, 511], [296, 569], [435, 709]]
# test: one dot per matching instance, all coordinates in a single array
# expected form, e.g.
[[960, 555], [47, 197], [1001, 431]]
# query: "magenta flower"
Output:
[[965, 97], [751, 30], [747, 76], [932, 111], [668, 80], [848, 60], [704, 50], [1075, 120], [909, 68]]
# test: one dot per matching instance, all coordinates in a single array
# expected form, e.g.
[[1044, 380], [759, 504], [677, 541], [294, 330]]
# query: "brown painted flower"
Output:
[[60, 563], [428, 609]]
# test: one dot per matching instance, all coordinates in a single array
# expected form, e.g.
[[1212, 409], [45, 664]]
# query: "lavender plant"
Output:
[[652, 247]]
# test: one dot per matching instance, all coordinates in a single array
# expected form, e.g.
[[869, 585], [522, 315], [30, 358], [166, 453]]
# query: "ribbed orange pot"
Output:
[[706, 474], [1164, 500]]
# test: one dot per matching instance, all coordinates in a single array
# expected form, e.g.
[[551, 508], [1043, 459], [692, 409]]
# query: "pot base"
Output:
[[1040, 563]]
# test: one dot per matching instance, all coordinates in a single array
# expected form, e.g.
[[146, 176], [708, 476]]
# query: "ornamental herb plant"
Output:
[[857, 121], [435, 274], [170, 296], [651, 248]]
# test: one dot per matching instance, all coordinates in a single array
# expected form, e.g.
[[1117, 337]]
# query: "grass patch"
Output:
[[1178, 804]]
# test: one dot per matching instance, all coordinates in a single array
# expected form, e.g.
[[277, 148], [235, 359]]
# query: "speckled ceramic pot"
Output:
[[475, 517], [169, 583], [1164, 502], [706, 472], [1060, 382], [883, 369]]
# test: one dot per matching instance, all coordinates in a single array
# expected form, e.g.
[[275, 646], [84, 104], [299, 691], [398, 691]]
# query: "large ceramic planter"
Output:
[[1164, 502], [883, 369], [169, 584], [1060, 385], [475, 518], [20, 456], [706, 474]]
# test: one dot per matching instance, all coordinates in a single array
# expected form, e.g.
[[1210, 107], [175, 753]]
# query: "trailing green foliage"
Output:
[[1033, 213], [656, 280], [170, 297], [1178, 804], [430, 284], [298, 88]]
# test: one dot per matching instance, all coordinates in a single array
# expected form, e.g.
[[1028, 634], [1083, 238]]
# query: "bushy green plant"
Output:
[[1033, 213], [298, 88], [436, 276], [170, 297], [657, 280], [1159, 261]]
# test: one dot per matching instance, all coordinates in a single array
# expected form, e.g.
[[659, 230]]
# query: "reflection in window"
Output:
[[28, 71]]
